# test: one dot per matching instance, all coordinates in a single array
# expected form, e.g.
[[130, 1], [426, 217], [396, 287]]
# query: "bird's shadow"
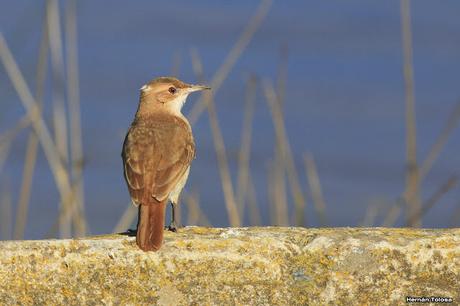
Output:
[[133, 232], [129, 233]]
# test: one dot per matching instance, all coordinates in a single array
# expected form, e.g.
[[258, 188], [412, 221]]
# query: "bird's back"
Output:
[[157, 152]]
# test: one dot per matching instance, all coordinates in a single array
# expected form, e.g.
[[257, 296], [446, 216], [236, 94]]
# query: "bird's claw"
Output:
[[172, 227]]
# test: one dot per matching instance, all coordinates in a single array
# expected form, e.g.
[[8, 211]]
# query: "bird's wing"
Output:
[[156, 157], [177, 152], [133, 155]]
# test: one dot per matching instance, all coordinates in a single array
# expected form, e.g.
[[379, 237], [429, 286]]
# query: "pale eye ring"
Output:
[[172, 90]]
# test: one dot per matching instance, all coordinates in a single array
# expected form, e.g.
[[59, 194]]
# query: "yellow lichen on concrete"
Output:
[[236, 266]]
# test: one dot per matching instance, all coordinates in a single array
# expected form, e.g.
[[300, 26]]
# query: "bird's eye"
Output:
[[172, 90]]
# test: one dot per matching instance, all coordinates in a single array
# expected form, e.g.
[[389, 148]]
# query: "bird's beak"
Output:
[[193, 88]]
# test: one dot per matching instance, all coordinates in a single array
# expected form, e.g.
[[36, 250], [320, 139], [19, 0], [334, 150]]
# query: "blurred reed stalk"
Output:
[[58, 98], [278, 185], [451, 123], [455, 217], [236, 51], [315, 188], [206, 99], [393, 213], [76, 144], [245, 147], [219, 146], [277, 193], [437, 147], [411, 193], [195, 215], [57, 67], [254, 212], [282, 74], [372, 211], [288, 161], [57, 167], [5, 214], [32, 143], [445, 188], [5, 145], [176, 63], [126, 219], [7, 137], [191, 201]]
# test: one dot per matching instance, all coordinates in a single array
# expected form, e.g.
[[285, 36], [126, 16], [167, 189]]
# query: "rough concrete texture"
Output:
[[236, 266]]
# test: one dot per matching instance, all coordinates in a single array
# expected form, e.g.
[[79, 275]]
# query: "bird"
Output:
[[157, 153]]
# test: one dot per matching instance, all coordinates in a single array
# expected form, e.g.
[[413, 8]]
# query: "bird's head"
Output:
[[166, 94]]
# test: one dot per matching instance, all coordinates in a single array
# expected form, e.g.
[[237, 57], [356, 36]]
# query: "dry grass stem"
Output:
[[443, 189], [195, 214], [5, 214], [4, 151], [219, 146], [57, 66], [277, 193], [59, 111], [393, 213], [26, 186], [10, 134], [241, 44], [282, 74], [451, 124], [197, 65], [32, 143], [7, 138], [254, 212], [455, 217], [427, 164], [411, 193], [315, 188], [224, 170], [288, 160], [370, 215], [126, 219], [245, 147], [60, 173], [176, 63], [270, 186], [76, 145]]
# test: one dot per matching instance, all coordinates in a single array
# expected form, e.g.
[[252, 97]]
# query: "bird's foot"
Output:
[[172, 227], [129, 232]]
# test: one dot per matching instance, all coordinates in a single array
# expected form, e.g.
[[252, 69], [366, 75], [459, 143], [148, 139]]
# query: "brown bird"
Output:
[[157, 153]]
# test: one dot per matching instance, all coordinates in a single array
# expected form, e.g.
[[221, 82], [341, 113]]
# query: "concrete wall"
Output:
[[248, 266]]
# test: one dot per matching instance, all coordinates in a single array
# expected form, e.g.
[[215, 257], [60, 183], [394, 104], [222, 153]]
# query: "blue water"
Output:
[[344, 98]]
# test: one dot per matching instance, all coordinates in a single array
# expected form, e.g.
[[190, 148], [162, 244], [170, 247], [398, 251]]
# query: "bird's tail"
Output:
[[150, 226]]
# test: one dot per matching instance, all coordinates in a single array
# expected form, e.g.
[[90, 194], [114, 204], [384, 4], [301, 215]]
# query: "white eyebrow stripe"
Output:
[[144, 87]]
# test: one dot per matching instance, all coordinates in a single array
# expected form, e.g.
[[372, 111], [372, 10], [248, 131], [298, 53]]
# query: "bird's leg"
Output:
[[131, 232], [172, 226]]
